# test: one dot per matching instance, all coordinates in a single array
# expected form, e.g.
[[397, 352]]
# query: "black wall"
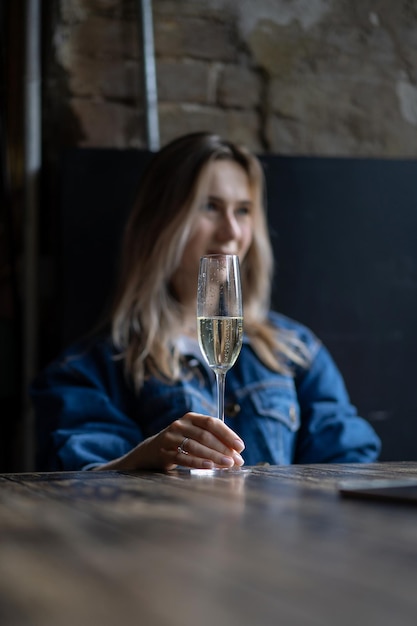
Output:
[[344, 233]]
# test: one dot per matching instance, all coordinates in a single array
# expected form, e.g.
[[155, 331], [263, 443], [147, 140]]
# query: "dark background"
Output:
[[344, 235]]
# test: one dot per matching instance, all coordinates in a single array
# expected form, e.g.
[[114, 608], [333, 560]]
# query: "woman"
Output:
[[141, 395]]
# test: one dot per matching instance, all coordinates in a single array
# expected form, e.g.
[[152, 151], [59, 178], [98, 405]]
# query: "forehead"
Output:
[[227, 178]]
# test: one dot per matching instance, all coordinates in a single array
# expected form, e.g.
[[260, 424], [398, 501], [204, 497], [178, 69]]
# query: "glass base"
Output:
[[217, 471]]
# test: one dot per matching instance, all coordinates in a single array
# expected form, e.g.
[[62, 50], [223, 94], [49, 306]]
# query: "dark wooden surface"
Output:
[[275, 545]]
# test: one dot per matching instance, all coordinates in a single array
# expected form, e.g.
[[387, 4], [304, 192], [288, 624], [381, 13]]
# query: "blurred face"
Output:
[[223, 225]]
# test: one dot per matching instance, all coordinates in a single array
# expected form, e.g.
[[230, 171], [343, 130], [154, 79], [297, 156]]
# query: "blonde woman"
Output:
[[138, 395]]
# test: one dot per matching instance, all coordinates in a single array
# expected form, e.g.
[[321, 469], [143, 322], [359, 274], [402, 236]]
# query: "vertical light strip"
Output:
[[32, 139], [149, 75]]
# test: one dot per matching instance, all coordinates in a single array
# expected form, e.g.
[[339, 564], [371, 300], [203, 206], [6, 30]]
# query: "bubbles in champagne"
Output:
[[220, 340]]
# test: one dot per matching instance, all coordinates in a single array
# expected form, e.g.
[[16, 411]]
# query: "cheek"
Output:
[[247, 237], [199, 233], [193, 250], [204, 231]]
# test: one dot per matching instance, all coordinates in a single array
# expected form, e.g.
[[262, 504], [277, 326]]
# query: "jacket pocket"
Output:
[[269, 420], [277, 401]]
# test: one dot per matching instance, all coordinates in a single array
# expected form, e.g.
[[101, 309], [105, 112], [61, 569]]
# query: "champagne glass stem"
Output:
[[220, 380]]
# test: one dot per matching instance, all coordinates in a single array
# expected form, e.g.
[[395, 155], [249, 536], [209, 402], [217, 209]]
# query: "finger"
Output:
[[196, 462], [219, 429], [216, 452], [200, 443], [191, 453], [196, 440]]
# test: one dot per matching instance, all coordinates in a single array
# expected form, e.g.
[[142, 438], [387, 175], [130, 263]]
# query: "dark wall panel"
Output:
[[345, 235], [98, 188]]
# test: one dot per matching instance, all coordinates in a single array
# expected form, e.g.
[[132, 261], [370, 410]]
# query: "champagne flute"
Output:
[[219, 316]]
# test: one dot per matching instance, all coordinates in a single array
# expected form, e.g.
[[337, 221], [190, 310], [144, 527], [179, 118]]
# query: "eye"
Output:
[[210, 206], [243, 210]]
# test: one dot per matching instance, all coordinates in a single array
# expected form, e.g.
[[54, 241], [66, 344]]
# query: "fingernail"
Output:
[[238, 459], [238, 445], [207, 464], [226, 460]]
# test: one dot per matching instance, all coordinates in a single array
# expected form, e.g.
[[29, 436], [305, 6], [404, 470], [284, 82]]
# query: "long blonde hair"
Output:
[[146, 316]]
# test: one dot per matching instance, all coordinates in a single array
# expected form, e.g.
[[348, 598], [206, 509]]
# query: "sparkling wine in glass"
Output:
[[219, 316]]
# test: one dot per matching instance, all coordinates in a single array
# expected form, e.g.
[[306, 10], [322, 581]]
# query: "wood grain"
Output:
[[275, 545]]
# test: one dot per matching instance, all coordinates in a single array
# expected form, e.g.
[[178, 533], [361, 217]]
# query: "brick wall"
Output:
[[323, 77]]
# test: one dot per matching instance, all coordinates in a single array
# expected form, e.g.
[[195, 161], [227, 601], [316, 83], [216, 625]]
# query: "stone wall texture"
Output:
[[307, 77]]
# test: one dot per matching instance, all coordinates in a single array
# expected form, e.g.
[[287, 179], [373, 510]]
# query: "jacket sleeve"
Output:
[[81, 408], [331, 431]]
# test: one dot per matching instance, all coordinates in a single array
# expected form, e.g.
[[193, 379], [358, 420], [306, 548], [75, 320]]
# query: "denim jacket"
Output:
[[88, 413]]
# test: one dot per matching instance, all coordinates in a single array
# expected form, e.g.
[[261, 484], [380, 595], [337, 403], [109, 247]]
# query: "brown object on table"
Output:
[[270, 546]]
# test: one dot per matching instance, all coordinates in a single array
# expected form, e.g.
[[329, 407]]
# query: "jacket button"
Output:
[[231, 409]]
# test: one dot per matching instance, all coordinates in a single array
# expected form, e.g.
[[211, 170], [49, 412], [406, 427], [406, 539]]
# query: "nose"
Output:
[[229, 227]]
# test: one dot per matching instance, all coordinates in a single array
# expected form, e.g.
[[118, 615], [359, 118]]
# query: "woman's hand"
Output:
[[195, 441]]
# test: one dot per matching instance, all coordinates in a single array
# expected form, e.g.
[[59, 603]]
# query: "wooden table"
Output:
[[272, 546]]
